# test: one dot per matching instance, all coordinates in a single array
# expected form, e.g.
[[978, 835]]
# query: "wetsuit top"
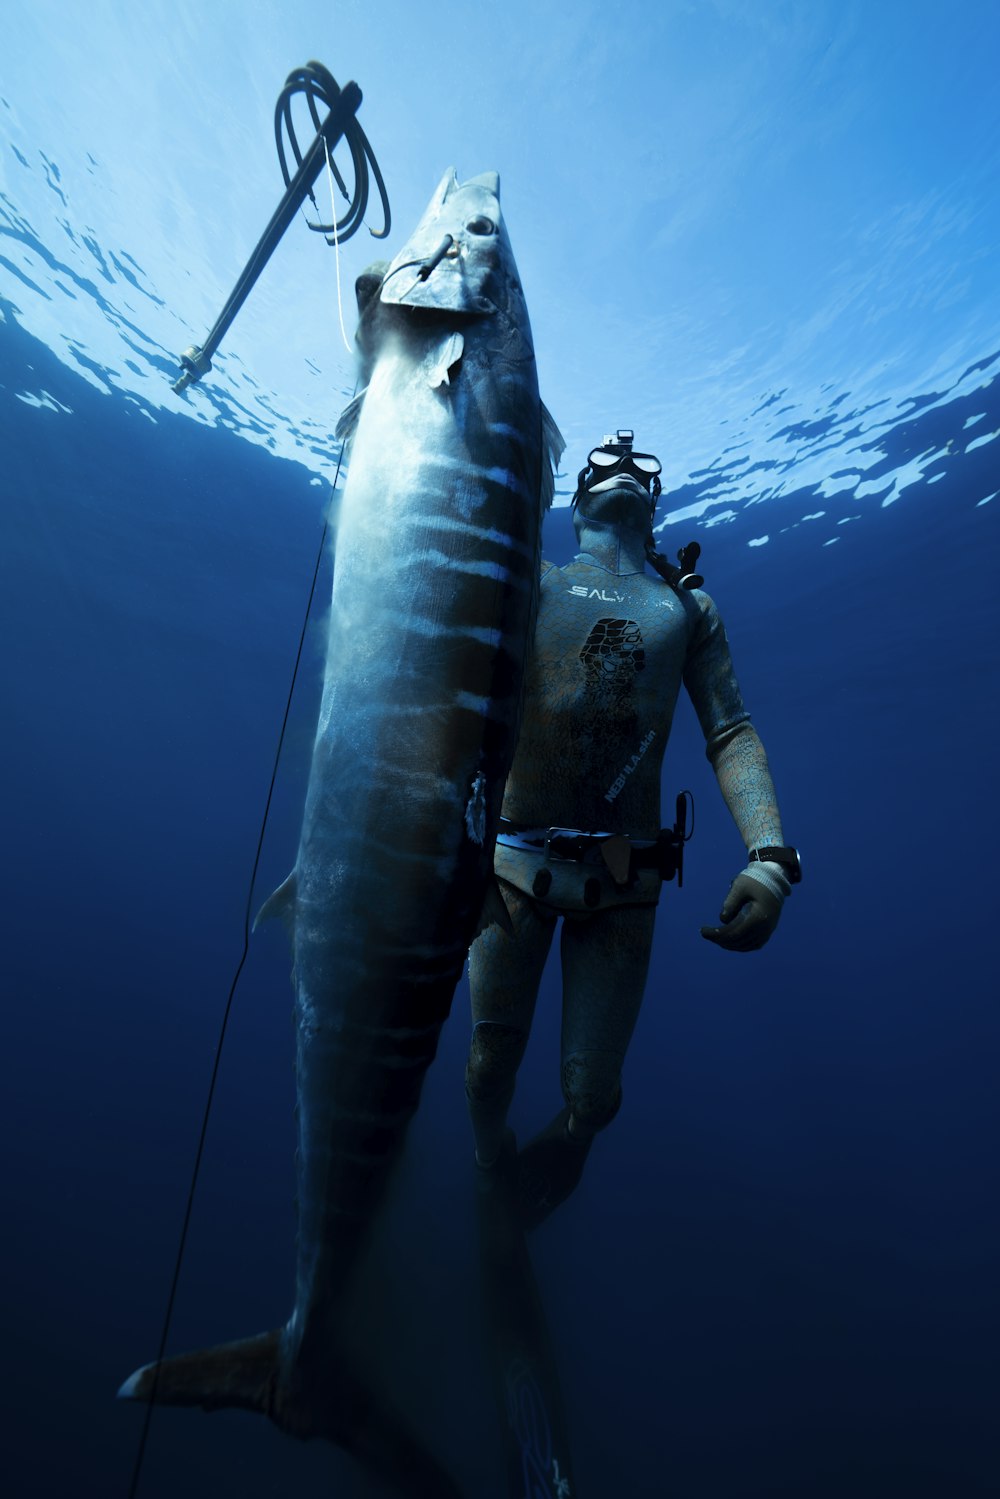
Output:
[[611, 651]]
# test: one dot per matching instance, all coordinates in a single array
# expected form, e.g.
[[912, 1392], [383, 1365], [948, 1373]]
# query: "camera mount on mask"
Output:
[[616, 459]]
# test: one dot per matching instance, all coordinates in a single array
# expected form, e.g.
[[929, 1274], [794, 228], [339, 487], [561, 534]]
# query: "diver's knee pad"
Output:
[[592, 1087], [494, 1057]]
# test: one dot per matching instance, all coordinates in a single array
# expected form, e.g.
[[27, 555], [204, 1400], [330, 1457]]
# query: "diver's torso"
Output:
[[601, 688]]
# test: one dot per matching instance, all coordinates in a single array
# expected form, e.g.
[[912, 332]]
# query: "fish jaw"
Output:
[[469, 277]]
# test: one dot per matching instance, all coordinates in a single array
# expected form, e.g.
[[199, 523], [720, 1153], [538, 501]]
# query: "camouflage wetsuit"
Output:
[[613, 645]]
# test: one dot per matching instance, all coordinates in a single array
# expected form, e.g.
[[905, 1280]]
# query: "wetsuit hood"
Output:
[[613, 528]]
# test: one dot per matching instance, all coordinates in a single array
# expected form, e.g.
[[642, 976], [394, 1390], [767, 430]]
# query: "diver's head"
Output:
[[618, 486]]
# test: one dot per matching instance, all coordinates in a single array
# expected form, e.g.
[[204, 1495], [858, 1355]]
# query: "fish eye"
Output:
[[481, 225]]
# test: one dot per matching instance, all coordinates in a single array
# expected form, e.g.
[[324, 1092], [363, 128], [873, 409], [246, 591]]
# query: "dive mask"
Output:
[[611, 462]]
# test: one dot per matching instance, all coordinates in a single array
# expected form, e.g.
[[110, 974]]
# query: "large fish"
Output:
[[434, 595]]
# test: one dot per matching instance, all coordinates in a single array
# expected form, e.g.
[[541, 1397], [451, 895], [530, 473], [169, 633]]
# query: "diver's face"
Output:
[[605, 483], [619, 485], [621, 500]]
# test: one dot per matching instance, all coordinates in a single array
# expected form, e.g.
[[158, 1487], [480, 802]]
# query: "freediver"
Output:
[[580, 832]]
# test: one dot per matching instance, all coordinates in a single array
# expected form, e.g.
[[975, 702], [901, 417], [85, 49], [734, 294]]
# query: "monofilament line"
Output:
[[199, 1152]]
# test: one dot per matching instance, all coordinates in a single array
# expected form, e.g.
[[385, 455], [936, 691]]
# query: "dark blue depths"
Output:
[[779, 1277]]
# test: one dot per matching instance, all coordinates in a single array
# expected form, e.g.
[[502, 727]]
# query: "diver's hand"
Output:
[[751, 910]]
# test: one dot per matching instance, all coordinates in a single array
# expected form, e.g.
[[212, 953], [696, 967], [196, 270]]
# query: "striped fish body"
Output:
[[435, 587]]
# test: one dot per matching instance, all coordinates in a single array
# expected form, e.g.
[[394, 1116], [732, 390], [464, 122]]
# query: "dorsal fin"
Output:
[[553, 446]]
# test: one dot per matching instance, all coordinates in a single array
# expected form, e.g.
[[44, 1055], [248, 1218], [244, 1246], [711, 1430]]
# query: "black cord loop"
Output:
[[317, 83]]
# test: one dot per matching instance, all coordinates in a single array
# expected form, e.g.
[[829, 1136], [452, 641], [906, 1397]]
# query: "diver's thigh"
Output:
[[505, 971], [605, 961]]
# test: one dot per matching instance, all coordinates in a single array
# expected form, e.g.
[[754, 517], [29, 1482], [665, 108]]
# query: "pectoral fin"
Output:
[[444, 359]]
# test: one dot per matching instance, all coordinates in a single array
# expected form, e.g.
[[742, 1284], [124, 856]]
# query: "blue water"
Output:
[[779, 1278], [780, 1274]]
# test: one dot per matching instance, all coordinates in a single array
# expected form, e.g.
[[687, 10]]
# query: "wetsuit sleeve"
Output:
[[710, 679], [732, 744]]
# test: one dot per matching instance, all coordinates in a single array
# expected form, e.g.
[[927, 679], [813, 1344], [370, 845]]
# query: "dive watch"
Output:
[[788, 858]]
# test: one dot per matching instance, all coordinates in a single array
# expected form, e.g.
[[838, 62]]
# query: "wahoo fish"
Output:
[[435, 588]]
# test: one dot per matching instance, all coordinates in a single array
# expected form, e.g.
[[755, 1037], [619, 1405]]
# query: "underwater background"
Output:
[[763, 235]]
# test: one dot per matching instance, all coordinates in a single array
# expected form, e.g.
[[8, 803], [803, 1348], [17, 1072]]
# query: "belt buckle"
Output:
[[564, 835]]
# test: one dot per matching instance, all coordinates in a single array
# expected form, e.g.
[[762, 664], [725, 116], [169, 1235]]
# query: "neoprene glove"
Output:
[[751, 910]]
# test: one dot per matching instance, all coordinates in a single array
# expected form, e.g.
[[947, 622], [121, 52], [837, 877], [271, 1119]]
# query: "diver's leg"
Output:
[[605, 962], [605, 959], [504, 974]]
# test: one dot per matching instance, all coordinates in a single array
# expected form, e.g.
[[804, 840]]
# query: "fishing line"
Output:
[[336, 248], [199, 1152]]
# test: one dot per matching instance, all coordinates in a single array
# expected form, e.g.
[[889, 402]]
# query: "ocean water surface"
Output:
[[763, 236]]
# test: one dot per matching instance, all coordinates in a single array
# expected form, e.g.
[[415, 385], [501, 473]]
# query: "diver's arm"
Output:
[[753, 905], [744, 778]]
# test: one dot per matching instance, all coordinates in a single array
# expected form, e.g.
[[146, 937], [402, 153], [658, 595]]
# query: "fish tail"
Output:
[[241, 1375], [249, 1375]]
